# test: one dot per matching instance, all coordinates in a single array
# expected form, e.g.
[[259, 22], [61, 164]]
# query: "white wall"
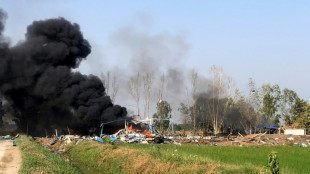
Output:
[[295, 131]]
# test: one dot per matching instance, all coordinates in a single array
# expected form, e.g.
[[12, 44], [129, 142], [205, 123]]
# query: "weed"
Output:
[[273, 163]]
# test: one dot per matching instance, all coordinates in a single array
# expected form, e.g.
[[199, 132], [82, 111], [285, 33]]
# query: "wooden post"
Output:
[[56, 132], [126, 127], [68, 130]]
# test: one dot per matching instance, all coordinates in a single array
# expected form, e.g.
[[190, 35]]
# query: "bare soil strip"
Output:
[[10, 157]]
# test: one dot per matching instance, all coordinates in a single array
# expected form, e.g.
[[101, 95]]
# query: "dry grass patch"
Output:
[[95, 157], [39, 160]]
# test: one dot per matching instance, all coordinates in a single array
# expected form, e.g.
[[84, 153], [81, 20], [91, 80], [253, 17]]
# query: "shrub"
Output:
[[273, 163]]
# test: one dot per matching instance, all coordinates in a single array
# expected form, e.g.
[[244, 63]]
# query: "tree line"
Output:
[[218, 107]]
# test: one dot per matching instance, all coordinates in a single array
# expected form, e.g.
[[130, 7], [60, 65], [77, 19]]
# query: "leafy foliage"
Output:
[[271, 100], [289, 101], [303, 114], [273, 163], [267, 105], [163, 112]]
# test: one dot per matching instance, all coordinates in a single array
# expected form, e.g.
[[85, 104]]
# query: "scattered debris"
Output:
[[290, 138], [7, 137]]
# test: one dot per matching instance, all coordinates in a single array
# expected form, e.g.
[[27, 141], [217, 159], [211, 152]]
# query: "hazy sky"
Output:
[[266, 40]]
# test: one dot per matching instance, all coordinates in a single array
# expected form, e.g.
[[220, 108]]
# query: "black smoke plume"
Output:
[[36, 78]]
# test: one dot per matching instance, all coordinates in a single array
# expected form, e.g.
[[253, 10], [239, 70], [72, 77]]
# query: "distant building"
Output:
[[291, 131]]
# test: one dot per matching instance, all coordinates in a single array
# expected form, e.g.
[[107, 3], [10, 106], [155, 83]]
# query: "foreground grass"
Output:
[[292, 159], [37, 159], [93, 157]]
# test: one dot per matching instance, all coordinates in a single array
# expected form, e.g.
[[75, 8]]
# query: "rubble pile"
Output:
[[135, 132], [248, 140], [9, 137], [139, 132]]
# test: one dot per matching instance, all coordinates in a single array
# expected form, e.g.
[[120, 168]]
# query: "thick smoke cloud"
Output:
[[36, 77]]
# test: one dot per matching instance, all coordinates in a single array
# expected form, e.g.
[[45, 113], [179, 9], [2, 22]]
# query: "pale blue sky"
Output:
[[266, 40]]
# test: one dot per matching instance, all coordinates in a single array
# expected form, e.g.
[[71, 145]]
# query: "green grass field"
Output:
[[186, 158], [93, 157], [292, 159], [37, 159]]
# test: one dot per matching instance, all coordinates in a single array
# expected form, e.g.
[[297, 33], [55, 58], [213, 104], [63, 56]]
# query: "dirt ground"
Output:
[[10, 157], [250, 140], [261, 139]]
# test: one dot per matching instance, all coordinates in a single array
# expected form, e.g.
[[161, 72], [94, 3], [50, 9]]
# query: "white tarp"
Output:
[[295, 131]]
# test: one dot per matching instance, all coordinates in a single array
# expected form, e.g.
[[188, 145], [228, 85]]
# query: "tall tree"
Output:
[[147, 79], [288, 103], [111, 88], [217, 94], [248, 116], [185, 111], [161, 87], [303, 118], [204, 112], [194, 83], [134, 89], [106, 81], [163, 113], [271, 100], [115, 88]]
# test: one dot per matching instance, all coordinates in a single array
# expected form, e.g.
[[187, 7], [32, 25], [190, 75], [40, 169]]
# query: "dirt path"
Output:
[[10, 157]]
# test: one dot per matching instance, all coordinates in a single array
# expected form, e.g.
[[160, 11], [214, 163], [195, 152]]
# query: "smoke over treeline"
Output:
[[159, 54], [36, 78]]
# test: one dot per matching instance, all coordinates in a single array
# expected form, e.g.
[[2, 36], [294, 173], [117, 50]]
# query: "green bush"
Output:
[[273, 163]]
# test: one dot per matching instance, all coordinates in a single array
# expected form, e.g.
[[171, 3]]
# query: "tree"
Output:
[[270, 105], [303, 118], [134, 89], [108, 85], [161, 87], [229, 101], [288, 103], [194, 82], [106, 81], [232, 112], [253, 100], [115, 88], [248, 116], [163, 113], [147, 79], [254, 97], [217, 94], [185, 111], [204, 112]]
